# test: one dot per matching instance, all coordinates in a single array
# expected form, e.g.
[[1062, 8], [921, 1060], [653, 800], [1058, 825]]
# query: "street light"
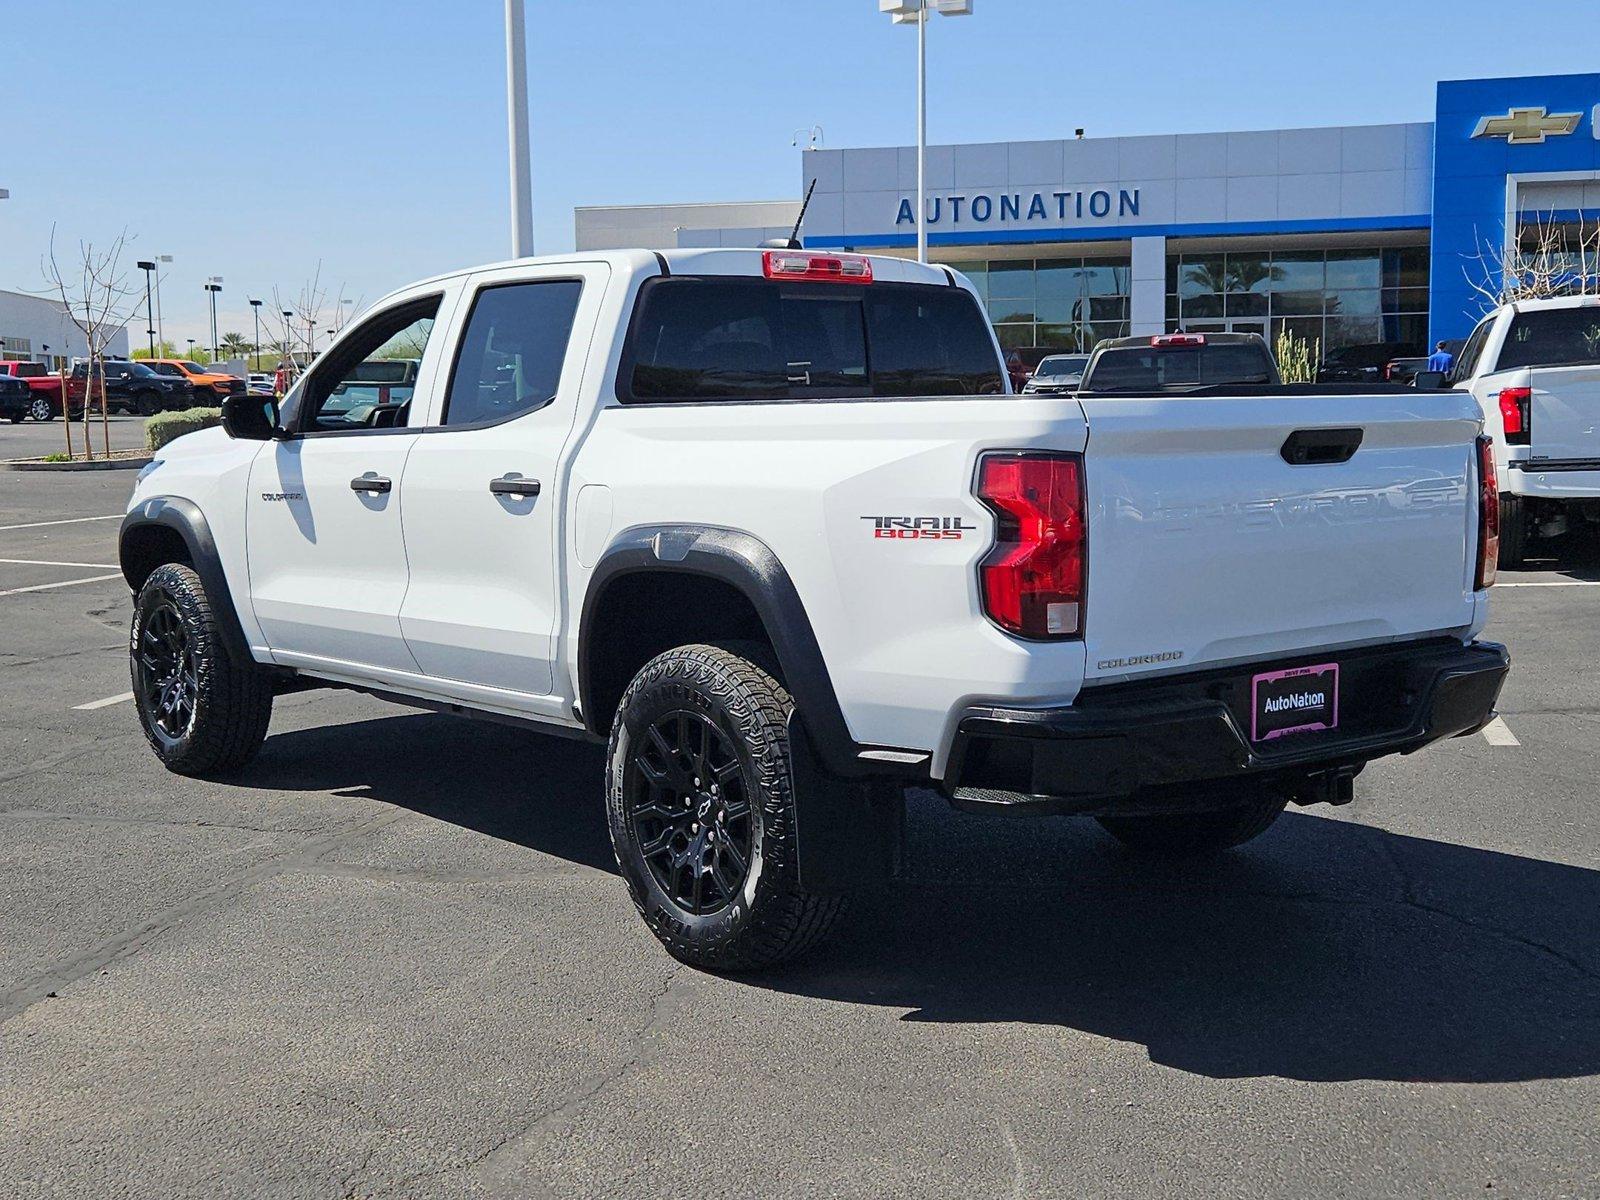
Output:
[[517, 130], [161, 332], [255, 309], [915, 12], [191, 347], [213, 286], [149, 312]]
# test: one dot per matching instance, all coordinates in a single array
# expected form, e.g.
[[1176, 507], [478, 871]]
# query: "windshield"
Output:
[[1152, 368], [142, 371], [1063, 364]]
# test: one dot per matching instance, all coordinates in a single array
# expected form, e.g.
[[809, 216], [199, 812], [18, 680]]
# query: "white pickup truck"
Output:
[[1534, 368], [772, 524]]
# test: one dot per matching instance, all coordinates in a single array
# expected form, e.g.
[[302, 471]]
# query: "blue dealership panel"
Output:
[[1472, 172]]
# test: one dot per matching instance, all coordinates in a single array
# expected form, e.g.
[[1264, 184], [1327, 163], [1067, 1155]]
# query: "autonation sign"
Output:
[[1099, 204]]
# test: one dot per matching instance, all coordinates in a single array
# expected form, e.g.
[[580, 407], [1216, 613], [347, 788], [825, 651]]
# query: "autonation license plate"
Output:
[[1299, 700]]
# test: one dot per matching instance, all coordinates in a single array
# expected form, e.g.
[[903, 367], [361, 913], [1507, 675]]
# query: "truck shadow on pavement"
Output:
[[1325, 950]]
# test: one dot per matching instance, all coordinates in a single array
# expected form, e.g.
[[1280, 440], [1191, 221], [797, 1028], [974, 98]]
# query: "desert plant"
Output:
[[165, 427], [1297, 357]]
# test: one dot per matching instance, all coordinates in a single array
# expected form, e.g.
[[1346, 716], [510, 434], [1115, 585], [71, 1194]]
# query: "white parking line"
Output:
[[40, 562], [45, 587], [67, 521], [1551, 583], [1498, 733], [106, 703]]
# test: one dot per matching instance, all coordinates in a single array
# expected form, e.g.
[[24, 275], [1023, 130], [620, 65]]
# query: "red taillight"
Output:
[[827, 268], [1032, 580], [1178, 339], [1515, 415], [1488, 515]]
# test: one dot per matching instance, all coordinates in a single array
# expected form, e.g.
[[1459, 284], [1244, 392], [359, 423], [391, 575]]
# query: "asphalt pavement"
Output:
[[393, 959], [31, 439]]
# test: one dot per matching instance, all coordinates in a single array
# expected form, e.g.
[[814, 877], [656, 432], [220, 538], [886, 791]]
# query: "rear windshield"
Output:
[[1553, 337], [1146, 368], [27, 370], [759, 339]]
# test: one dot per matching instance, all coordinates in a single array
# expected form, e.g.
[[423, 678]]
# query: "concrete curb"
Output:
[[99, 464]]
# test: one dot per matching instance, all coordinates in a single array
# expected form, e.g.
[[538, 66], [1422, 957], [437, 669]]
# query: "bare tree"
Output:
[[100, 301], [1548, 258]]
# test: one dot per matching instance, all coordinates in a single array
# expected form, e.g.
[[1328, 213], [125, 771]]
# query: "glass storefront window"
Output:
[[1354, 269], [1011, 280], [1336, 297], [1202, 275], [1060, 302]]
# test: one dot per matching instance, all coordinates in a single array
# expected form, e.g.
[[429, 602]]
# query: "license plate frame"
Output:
[[1294, 700]]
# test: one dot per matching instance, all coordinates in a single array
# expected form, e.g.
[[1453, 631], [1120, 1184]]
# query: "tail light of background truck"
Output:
[[1032, 579], [1488, 514], [1516, 415]]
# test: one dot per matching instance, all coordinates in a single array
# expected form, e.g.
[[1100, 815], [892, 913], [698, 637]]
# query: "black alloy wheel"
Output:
[[164, 672], [689, 813]]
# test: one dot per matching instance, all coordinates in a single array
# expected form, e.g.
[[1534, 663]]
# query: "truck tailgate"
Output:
[[1206, 546], [1565, 419]]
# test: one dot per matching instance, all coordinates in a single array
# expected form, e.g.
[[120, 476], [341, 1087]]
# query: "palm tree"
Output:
[[235, 345]]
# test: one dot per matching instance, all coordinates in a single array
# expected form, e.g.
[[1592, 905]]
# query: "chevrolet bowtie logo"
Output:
[[1527, 126]]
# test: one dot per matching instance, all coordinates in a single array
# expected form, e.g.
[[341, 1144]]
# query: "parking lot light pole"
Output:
[[161, 330], [255, 309], [909, 12], [149, 312], [517, 130], [214, 285]]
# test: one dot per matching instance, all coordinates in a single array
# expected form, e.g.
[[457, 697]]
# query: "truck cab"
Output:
[[1534, 368]]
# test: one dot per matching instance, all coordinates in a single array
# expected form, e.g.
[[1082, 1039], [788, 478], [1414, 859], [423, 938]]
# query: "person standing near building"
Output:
[[1441, 359]]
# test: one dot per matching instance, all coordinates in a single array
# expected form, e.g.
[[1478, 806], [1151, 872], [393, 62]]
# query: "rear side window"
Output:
[[756, 339], [1552, 337], [511, 354], [1467, 363], [1144, 368]]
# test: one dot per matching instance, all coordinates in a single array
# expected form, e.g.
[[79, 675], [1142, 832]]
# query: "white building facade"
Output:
[[37, 329]]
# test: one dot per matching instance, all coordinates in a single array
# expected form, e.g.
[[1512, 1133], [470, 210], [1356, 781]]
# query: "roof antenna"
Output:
[[793, 241]]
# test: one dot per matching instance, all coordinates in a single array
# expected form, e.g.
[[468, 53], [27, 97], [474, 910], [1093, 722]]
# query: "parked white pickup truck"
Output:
[[771, 523], [1534, 367]]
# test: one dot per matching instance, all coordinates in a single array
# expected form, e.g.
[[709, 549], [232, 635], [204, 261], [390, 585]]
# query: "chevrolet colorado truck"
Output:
[[1534, 369], [771, 525]]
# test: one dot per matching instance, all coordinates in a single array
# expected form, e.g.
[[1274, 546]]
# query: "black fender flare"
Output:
[[747, 564], [185, 518]]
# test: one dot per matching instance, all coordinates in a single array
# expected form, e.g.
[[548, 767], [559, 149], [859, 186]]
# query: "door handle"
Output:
[[374, 484], [1320, 447], [507, 485]]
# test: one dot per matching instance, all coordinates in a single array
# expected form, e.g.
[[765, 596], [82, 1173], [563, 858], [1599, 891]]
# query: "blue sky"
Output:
[[253, 139]]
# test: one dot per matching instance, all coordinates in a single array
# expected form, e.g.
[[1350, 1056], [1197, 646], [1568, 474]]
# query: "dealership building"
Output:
[[37, 329], [1346, 235]]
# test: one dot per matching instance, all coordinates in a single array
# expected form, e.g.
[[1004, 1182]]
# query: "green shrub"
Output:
[[163, 427]]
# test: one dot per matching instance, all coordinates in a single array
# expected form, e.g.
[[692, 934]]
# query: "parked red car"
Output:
[[42, 382]]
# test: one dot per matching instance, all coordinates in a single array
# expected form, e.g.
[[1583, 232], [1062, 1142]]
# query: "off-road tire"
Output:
[[1186, 835], [17, 420], [41, 409], [770, 918], [146, 404], [1513, 531], [231, 700]]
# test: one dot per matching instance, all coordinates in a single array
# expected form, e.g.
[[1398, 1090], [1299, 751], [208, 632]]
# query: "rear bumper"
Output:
[[1563, 479], [1154, 745]]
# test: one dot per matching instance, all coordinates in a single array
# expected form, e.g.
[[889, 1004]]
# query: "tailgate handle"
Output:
[[1310, 447]]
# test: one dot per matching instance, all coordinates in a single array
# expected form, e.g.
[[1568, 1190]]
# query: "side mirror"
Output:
[[1430, 381], [250, 418]]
